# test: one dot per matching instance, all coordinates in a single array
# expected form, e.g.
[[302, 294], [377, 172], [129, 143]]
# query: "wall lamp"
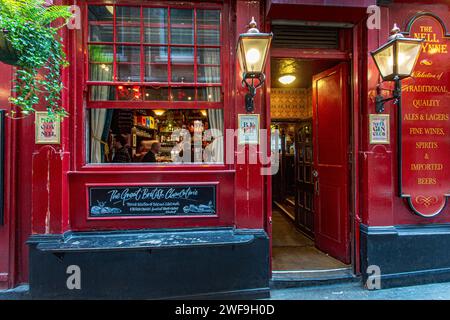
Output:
[[252, 50], [395, 61]]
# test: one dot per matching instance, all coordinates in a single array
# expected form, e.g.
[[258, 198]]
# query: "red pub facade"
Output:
[[362, 188]]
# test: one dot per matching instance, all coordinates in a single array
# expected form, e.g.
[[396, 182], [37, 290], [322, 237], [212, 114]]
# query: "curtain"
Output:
[[100, 118], [212, 75], [217, 131]]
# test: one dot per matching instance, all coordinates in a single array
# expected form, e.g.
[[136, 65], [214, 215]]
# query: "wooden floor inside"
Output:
[[293, 251]]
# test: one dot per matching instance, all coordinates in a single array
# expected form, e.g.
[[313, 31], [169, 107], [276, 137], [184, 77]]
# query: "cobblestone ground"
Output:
[[354, 291]]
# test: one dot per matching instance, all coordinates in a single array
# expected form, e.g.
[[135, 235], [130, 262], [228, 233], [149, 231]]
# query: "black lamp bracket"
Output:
[[252, 81], [396, 96]]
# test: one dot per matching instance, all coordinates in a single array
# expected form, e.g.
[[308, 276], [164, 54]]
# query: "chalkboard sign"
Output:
[[2, 165], [152, 201]]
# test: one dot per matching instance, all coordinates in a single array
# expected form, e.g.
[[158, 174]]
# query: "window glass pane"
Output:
[[102, 93], [100, 23], [210, 94], [128, 34], [208, 56], [181, 26], [128, 63], [208, 27], [128, 15], [182, 64], [172, 136], [183, 94], [183, 73], [156, 64], [182, 55], [100, 63], [156, 94], [128, 21], [208, 74], [129, 93], [155, 21]]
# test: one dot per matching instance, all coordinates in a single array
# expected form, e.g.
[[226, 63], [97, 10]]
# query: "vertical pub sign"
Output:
[[425, 116]]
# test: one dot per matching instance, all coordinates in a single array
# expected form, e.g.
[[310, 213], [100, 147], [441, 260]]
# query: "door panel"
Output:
[[330, 134], [304, 207]]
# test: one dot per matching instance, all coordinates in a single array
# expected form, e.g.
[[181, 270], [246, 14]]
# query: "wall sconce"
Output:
[[395, 61], [252, 50]]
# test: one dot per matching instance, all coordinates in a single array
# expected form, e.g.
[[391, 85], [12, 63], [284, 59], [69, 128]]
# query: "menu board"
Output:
[[178, 200], [425, 121]]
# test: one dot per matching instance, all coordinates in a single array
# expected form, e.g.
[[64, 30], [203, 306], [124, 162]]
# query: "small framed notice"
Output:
[[248, 126], [48, 131], [379, 129]]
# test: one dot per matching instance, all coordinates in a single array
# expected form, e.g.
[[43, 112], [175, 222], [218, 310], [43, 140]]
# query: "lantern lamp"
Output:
[[252, 51], [395, 61]]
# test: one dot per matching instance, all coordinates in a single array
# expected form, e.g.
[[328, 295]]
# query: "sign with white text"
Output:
[[152, 200]]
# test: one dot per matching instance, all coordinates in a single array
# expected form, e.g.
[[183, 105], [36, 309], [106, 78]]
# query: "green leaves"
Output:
[[29, 26]]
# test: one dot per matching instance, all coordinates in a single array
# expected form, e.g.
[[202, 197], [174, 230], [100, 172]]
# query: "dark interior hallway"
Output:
[[291, 250]]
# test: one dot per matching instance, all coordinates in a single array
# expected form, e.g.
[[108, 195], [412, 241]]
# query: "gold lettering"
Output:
[[411, 116], [426, 180], [427, 166], [437, 117], [434, 131], [414, 131], [427, 145], [425, 88], [418, 103]]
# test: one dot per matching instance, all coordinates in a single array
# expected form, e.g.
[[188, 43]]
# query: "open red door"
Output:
[[331, 143]]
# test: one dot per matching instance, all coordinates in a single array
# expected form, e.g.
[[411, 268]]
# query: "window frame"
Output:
[[149, 104], [227, 104]]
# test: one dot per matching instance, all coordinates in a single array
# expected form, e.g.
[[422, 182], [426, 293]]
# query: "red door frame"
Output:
[[355, 39]]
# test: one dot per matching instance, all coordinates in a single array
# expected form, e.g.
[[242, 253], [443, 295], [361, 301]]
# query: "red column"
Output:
[[249, 183]]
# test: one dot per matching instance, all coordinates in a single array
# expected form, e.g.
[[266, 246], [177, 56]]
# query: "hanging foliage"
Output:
[[29, 40]]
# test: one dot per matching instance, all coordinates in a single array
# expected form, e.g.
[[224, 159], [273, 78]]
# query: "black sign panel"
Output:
[[2, 166], [152, 201]]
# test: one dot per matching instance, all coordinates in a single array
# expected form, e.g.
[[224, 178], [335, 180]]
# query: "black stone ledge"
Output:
[[206, 263], [407, 254], [142, 239]]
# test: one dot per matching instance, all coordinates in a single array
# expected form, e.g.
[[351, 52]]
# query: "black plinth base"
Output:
[[164, 264], [407, 255]]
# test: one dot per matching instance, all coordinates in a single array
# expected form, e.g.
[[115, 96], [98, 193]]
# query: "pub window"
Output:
[[154, 75]]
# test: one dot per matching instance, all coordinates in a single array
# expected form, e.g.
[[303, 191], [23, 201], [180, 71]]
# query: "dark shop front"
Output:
[[171, 177]]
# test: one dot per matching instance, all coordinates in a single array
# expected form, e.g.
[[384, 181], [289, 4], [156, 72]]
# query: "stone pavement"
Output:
[[355, 291]]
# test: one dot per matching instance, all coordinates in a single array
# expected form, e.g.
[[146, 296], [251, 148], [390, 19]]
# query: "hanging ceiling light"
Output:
[[159, 112], [287, 79]]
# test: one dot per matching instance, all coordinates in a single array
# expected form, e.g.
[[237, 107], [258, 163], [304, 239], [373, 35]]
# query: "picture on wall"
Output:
[[248, 125]]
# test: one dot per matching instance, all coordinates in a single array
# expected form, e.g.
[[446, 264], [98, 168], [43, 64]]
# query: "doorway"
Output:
[[310, 192]]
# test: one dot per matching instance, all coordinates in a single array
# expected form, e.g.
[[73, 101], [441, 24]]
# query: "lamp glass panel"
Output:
[[255, 53], [407, 52], [239, 54], [385, 61]]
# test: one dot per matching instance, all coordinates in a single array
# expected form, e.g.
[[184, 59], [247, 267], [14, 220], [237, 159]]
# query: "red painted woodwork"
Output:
[[7, 241], [380, 203], [46, 186], [351, 11], [331, 141]]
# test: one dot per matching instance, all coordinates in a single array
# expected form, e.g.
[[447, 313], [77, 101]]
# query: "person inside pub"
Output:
[[121, 154], [151, 154]]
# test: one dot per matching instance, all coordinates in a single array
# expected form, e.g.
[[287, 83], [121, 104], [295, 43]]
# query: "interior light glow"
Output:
[[287, 78]]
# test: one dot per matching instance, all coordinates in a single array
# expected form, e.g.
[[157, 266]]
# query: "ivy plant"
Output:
[[31, 28]]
